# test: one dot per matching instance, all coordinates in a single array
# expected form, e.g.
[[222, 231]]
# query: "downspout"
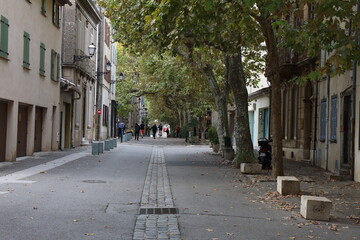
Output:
[[315, 122]]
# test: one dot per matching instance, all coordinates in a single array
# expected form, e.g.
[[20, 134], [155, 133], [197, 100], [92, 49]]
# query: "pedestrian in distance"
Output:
[[142, 129], [154, 130], [160, 129], [120, 127], [137, 131], [177, 131]]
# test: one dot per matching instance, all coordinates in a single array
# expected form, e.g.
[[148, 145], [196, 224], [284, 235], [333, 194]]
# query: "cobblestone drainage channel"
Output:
[[158, 211], [94, 181]]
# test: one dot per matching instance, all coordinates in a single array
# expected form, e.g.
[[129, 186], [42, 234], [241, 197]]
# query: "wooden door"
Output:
[[38, 129], [22, 131]]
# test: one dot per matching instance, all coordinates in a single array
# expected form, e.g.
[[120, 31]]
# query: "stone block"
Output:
[[228, 153], [250, 168], [288, 185], [107, 145], [97, 148], [315, 208]]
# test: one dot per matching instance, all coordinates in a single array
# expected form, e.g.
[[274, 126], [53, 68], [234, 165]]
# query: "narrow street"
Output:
[[147, 189]]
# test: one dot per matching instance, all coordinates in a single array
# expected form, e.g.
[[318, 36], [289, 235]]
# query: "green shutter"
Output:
[[43, 7], [52, 72], [26, 55], [58, 67], [4, 37], [42, 59]]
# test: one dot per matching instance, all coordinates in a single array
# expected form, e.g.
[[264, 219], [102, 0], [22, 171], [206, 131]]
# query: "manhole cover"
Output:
[[94, 181]]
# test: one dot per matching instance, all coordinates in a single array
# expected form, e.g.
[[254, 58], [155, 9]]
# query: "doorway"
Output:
[[38, 129], [3, 129], [347, 136], [22, 131]]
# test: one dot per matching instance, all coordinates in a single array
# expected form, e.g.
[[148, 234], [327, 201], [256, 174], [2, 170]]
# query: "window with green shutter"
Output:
[[43, 7], [56, 13], [26, 53], [58, 69], [42, 59], [4, 37], [52, 72]]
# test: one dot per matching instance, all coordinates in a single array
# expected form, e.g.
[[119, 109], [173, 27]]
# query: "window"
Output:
[[105, 115], [56, 13], [333, 120], [26, 53], [43, 7], [55, 65], [311, 11], [323, 120], [4, 37], [42, 59]]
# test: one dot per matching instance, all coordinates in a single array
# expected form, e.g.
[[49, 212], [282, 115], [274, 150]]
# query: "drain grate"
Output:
[[159, 211]]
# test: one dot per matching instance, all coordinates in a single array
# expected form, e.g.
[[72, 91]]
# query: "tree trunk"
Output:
[[273, 73], [237, 82], [221, 105]]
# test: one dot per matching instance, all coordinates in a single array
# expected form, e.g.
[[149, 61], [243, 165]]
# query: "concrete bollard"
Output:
[[250, 168], [95, 148], [107, 145], [315, 208], [101, 147], [288, 185]]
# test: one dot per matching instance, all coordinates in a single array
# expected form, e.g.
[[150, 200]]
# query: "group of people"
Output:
[[139, 130]]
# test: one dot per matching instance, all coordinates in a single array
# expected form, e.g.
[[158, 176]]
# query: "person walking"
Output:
[[120, 127], [154, 129], [142, 129], [160, 129], [137, 131]]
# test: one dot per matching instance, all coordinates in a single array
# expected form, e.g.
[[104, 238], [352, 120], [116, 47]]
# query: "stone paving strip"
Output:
[[157, 194]]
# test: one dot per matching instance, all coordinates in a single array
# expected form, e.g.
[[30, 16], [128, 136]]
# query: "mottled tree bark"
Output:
[[221, 105], [237, 82], [273, 73]]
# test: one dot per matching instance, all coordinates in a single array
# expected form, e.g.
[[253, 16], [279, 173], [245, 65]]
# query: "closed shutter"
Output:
[[333, 118], [42, 59], [43, 7], [323, 120], [58, 68], [4, 37], [52, 72], [26, 54]]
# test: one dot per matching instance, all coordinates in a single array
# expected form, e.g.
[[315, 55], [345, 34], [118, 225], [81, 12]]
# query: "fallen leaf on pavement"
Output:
[[209, 230], [89, 234], [230, 234]]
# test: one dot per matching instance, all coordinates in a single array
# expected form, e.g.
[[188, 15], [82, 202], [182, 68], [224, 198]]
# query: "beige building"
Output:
[[79, 66], [30, 47]]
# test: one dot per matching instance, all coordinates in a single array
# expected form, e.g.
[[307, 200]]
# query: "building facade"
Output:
[[78, 94], [30, 56]]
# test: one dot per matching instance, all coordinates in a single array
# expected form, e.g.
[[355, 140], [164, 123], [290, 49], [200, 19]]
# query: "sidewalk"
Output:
[[345, 195]]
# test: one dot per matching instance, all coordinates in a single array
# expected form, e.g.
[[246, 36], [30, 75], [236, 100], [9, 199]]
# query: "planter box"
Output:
[[250, 168]]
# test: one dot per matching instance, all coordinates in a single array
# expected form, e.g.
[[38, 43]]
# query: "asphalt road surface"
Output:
[[74, 195]]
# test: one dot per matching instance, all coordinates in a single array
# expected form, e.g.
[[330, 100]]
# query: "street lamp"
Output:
[[121, 77], [108, 68], [91, 50]]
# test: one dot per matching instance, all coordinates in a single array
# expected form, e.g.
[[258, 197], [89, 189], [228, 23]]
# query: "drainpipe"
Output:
[[315, 122]]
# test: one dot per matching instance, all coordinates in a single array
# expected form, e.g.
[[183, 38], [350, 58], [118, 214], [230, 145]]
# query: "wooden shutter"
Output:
[[52, 72], [323, 120], [58, 68], [26, 54], [4, 37], [42, 59], [333, 120]]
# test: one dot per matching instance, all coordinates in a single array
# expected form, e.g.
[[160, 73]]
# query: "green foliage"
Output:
[[212, 135]]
